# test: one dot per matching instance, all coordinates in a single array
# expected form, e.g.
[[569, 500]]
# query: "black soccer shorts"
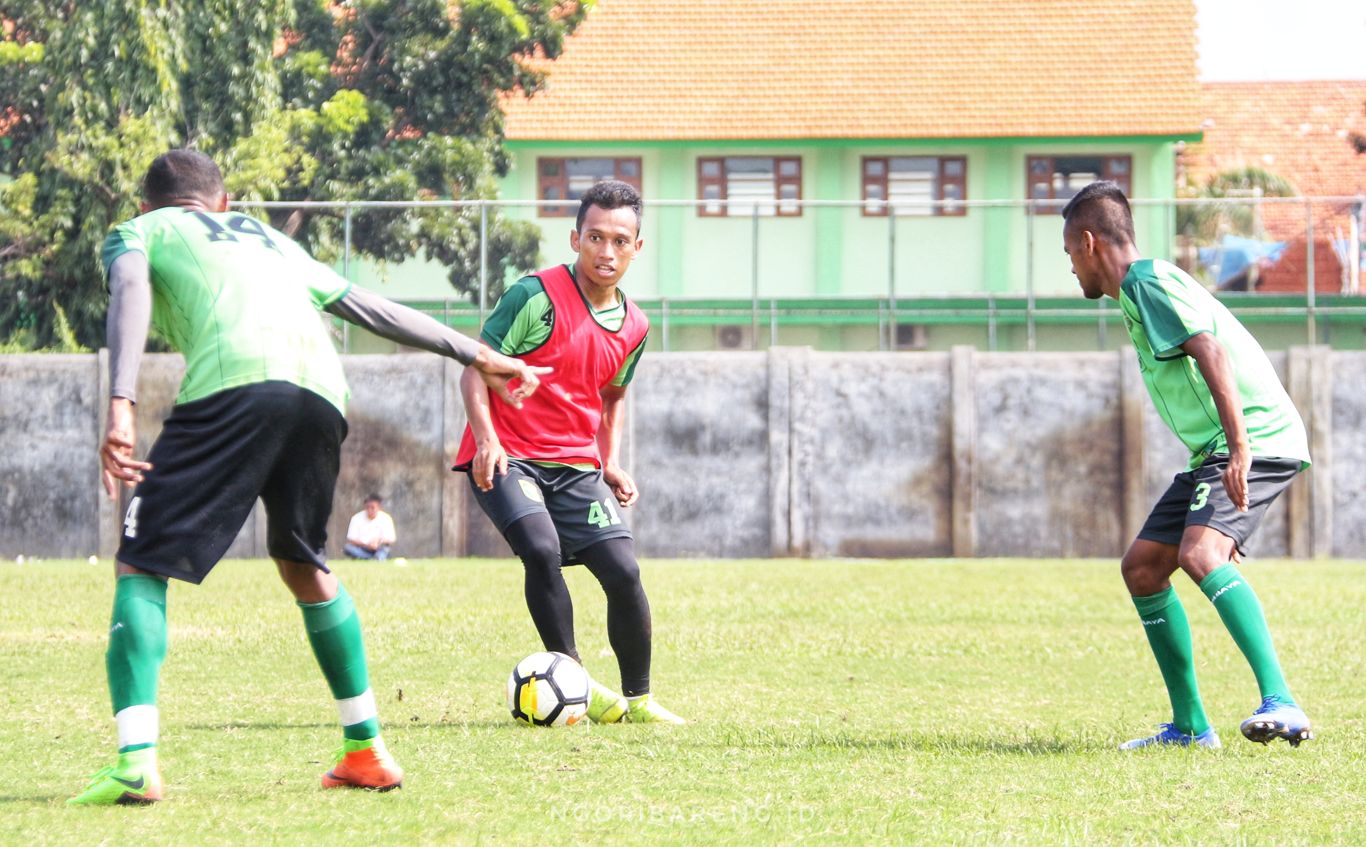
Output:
[[1197, 498], [579, 502], [214, 458]]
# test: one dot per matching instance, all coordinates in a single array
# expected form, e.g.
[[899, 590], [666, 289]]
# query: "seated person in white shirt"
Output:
[[371, 532]]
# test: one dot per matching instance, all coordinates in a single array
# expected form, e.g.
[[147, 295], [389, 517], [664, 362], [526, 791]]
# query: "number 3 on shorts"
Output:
[[1201, 496], [603, 514]]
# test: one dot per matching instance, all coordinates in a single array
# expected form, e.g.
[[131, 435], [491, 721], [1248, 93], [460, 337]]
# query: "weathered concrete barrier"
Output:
[[782, 453]]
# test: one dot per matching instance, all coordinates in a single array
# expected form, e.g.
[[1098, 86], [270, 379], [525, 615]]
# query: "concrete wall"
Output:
[[785, 452], [49, 411]]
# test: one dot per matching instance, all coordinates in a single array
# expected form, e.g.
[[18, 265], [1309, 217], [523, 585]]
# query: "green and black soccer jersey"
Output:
[[524, 316], [1164, 307], [238, 299]]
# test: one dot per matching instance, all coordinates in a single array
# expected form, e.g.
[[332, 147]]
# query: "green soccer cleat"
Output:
[[135, 780], [604, 704], [646, 710]]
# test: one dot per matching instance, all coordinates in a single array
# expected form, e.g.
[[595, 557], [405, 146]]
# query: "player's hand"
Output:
[[489, 458], [499, 372], [1235, 477], [623, 487], [116, 453]]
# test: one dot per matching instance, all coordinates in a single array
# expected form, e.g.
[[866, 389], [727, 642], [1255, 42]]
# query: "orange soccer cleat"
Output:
[[370, 767]]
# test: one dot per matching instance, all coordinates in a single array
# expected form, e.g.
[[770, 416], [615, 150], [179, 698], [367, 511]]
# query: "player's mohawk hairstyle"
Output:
[[180, 174], [609, 194], [1102, 208]]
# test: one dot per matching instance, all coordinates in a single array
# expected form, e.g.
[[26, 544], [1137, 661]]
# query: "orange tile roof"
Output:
[[640, 70], [1297, 130]]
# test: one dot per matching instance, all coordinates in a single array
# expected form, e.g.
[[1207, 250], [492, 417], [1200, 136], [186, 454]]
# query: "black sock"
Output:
[[613, 562]]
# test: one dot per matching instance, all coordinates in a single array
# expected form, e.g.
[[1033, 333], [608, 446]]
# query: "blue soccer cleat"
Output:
[[1278, 719], [1170, 736]]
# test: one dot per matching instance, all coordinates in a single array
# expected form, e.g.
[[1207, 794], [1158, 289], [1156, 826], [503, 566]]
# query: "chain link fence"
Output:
[[856, 275]]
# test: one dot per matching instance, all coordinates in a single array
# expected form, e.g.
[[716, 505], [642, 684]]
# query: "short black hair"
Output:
[[1102, 209], [609, 194], [374, 497], [181, 174]]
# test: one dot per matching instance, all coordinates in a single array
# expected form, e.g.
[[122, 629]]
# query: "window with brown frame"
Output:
[[766, 185], [914, 185], [568, 179], [1053, 180]]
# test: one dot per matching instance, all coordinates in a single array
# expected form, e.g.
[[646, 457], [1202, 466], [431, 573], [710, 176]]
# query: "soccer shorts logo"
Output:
[[531, 490]]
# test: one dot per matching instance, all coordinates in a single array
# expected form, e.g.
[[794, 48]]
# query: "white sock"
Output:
[[354, 710], [138, 725]]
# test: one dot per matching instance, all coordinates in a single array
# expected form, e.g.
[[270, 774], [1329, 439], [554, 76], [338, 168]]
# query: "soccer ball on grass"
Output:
[[548, 689]]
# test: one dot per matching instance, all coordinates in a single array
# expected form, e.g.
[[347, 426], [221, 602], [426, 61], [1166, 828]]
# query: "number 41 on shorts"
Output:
[[603, 514]]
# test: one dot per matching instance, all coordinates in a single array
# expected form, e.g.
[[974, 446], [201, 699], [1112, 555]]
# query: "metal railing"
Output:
[[1339, 222]]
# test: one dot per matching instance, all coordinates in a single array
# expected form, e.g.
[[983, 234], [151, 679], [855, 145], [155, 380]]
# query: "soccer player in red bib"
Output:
[[549, 477]]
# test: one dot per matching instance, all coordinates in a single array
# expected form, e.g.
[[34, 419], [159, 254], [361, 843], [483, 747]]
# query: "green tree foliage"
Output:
[[1207, 221], [297, 100]]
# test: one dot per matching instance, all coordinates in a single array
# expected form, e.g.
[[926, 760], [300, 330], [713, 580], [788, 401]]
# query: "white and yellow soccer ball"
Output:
[[548, 689]]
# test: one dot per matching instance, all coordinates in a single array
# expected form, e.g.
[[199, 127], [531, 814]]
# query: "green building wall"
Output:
[[837, 254], [838, 251]]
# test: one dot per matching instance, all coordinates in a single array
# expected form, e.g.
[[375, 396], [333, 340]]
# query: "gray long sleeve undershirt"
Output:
[[403, 325], [130, 312]]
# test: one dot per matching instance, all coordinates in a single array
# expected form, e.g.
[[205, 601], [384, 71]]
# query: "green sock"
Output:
[[137, 646], [351, 745], [1169, 634], [334, 631], [1241, 612], [137, 759]]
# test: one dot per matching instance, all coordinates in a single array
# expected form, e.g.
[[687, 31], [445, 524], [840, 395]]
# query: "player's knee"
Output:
[[614, 564], [539, 554], [1199, 559], [1133, 566], [623, 576], [1143, 572]]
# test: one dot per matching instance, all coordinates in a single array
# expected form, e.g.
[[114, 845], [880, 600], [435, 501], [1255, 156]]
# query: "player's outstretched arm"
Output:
[[130, 311], [411, 328], [609, 445], [489, 455], [1217, 370]]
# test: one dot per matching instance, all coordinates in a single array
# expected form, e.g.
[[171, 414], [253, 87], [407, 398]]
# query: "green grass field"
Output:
[[931, 702]]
